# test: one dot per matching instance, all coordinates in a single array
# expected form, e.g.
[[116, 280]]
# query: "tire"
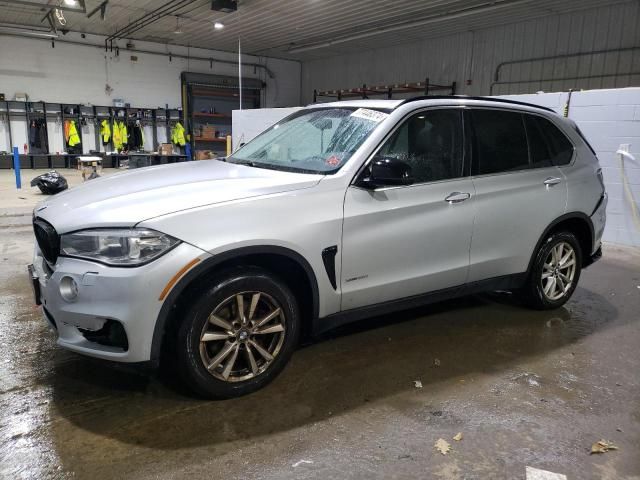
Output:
[[222, 354], [546, 287]]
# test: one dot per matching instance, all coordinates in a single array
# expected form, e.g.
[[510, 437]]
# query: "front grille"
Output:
[[48, 240]]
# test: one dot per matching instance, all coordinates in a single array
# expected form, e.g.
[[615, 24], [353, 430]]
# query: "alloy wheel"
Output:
[[242, 336], [558, 271]]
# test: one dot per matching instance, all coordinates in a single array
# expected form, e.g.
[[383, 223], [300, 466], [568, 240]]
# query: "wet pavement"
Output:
[[524, 388]]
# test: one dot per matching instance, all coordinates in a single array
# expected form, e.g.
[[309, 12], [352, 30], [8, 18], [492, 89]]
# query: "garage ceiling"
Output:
[[301, 29]]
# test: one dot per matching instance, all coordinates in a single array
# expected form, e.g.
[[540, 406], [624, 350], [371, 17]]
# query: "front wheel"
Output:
[[238, 335], [555, 272]]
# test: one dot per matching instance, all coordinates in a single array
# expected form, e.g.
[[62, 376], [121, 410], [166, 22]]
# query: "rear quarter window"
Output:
[[560, 146]]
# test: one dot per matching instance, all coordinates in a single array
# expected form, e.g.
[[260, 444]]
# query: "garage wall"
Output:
[[475, 55], [77, 74]]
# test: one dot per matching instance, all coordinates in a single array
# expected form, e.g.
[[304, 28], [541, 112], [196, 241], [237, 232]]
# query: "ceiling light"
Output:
[[71, 3], [218, 25], [178, 30]]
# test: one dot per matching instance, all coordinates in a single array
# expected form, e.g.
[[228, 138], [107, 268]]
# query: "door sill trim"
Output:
[[505, 282]]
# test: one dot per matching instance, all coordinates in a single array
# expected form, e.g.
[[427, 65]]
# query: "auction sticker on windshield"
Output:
[[368, 114]]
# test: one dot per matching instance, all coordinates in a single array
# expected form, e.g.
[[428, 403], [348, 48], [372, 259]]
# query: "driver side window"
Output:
[[430, 142]]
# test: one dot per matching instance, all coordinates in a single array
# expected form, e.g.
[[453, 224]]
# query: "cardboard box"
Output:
[[205, 155], [165, 149], [208, 132]]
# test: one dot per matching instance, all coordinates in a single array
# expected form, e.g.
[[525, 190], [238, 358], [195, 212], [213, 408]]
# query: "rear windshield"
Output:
[[318, 140]]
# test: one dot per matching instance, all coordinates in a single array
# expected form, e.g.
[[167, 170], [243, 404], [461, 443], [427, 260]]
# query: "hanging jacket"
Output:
[[177, 135], [105, 132], [120, 139], [136, 137], [117, 136], [38, 138], [125, 136], [71, 133]]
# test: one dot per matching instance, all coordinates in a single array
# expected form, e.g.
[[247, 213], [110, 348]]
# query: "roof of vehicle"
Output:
[[392, 104]]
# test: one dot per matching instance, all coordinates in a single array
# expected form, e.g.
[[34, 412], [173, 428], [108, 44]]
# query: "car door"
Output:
[[519, 190], [402, 241]]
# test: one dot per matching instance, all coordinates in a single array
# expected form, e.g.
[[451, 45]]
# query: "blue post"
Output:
[[16, 167]]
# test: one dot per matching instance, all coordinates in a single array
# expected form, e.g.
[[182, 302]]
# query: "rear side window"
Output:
[[549, 146], [500, 142]]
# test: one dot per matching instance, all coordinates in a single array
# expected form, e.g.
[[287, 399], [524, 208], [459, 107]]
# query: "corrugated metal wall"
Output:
[[476, 55]]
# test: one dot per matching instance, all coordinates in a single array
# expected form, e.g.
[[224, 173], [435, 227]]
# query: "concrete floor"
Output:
[[14, 201], [525, 388]]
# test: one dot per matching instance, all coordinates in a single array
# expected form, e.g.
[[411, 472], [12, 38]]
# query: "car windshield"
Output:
[[318, 140]]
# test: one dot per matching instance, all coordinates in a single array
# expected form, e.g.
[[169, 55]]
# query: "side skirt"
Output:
[[506, 282]]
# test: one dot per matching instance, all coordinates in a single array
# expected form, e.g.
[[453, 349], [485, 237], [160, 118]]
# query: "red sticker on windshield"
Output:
[[333, 160]]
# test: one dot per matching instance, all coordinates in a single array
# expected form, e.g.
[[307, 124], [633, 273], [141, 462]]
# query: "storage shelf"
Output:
[[212, 115], [214, 94], [206, 140]]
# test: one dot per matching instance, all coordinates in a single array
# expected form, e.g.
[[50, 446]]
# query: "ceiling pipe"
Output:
[[148, 52], [488, 7]]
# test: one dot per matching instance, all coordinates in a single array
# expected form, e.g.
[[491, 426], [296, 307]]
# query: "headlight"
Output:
[[119, 247]]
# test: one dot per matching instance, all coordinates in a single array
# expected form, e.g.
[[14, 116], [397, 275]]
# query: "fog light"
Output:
[[68, 289]]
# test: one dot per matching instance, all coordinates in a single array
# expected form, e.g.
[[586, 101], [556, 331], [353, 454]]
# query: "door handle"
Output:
[[549, 182], [457, 197]]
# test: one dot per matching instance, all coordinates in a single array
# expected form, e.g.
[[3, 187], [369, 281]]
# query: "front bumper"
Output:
[[128, 298]]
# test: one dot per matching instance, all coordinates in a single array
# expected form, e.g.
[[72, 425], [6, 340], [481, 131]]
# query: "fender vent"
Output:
[[329, 260]]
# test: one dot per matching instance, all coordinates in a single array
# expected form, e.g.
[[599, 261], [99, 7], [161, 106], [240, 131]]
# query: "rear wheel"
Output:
[[238, 335], [555, 272]]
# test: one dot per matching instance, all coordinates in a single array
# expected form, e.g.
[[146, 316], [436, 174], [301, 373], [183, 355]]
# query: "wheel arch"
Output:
[[577, 223], [300, 277]]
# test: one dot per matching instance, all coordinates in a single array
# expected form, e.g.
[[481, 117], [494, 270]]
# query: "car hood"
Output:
[[125, 199]]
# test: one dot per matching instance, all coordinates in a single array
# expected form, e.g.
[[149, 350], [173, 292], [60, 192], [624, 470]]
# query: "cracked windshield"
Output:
[[311, 141]]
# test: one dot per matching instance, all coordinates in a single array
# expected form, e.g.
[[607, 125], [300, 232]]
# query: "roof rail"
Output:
[[467, 97]]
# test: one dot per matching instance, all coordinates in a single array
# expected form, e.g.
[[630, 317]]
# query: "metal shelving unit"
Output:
[[208, 104], [388, 91], [158, 118]]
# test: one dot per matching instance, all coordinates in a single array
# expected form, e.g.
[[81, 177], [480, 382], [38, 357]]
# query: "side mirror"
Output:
[[385, 172]]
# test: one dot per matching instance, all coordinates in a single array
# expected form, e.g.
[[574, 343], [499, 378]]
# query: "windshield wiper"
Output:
[[271, 166], [243, 162]]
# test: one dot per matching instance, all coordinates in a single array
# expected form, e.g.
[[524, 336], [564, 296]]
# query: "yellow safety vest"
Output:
[[124, 134], [74, 138], [105, 131], [119, 135], [177, 135]]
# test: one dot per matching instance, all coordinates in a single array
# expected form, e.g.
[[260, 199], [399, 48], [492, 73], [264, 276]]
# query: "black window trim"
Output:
[[466, 171], [472, 133]]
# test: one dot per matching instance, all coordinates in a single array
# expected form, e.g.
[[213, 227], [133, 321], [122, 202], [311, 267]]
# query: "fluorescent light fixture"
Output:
[[218, 25], [71, 3], [26, 32]]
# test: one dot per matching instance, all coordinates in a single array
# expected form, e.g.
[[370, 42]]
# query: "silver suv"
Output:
[[339, 212]]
